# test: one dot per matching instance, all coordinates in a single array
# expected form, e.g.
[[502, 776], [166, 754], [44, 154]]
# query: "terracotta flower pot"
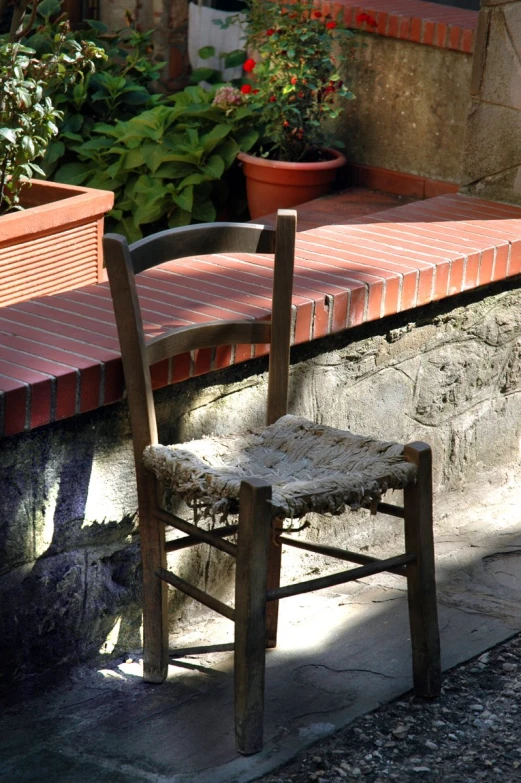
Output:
[[275, 184], [54, 244]]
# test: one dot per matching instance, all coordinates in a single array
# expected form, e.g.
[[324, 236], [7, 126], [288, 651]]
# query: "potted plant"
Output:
[[294, 86], [50, 235]]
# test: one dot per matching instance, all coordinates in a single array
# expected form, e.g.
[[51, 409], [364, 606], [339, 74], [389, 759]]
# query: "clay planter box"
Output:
[[54, 244]]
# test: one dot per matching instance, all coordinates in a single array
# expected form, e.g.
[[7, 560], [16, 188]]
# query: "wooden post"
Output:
[[250, 613], [421, 584]]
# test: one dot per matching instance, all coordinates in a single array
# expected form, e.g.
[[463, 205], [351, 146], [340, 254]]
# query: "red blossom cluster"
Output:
[[368, 19]]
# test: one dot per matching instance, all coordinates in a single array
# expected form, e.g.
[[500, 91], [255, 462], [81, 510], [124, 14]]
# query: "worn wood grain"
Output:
[[421, 582], [250, 613]]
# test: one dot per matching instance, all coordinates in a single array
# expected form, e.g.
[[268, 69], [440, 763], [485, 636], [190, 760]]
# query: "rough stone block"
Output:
[[501, 78], [492, 142]]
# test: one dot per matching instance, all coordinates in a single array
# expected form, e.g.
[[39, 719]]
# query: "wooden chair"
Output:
[[259, 475]]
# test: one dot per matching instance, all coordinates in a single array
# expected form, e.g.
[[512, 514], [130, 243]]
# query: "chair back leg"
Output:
[[421, 584], [250, 613]]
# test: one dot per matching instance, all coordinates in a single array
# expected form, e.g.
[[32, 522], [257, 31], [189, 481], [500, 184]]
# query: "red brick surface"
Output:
[[412, 20], [59, 355]]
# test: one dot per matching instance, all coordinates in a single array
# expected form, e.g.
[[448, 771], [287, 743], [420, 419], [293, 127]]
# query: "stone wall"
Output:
[[492, 154], [69, 556], [410, 108]]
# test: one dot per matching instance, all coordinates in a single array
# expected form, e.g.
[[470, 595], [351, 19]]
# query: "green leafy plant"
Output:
[[166, 166], [292, 76], [120, 88], [28, 114]]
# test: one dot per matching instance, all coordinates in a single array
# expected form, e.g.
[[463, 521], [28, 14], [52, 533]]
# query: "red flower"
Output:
[[272, 99], [330, 25], [317, 14], [368, 19], [249, 65], [293, 80], [245, 89], [271, 31]]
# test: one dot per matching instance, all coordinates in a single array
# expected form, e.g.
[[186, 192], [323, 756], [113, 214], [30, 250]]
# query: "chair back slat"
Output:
[[124, 262], [210, 335], [201, 240]]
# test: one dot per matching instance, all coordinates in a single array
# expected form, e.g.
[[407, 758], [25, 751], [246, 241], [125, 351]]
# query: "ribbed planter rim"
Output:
[[338, 160]]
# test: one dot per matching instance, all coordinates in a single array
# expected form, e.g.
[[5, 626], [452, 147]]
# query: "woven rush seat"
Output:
[[310, 467]]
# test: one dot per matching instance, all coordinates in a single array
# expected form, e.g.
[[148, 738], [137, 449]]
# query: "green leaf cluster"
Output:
[[28, 113], [167, 165], [121, 87]]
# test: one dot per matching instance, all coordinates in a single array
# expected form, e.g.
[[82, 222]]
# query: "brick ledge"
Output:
[[421, 22], [59, 355]]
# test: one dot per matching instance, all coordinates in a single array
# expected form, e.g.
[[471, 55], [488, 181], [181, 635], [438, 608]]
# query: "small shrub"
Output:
[[166, 166]]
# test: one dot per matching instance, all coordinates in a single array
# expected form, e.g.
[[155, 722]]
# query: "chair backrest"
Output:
[[123, 262]]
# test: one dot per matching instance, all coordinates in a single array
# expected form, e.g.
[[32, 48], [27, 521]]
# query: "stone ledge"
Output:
[[59, 355]]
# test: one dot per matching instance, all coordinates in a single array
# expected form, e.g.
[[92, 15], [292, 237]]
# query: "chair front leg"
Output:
[[250, 613], [421, 583], [155, 591], [274, 565]]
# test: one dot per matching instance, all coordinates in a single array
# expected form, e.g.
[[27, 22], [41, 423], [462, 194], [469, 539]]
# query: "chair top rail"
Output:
[[200, 239], [209, 335]]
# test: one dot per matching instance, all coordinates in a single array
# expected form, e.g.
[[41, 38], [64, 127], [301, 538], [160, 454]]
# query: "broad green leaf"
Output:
[[179, 218], [99, 27], [181, 168], [129, 229], [55, 151], [185, 199], [134, 159], [203, 74], [9, 134], [206, 52], [149, 211], [204, 212], [214, 167], [234, 59], [210, 140], [246, 139], [194, 179], [72, 173], [228, 151]]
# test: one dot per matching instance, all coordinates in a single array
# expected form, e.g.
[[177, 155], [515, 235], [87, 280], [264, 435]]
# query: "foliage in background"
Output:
[[28, 115], [166, 166], [294, 80], [120, 88]]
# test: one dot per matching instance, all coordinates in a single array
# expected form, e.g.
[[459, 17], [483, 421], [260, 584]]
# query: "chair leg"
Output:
[[274, 564], [250, 614], [155, 597], [421, 584]]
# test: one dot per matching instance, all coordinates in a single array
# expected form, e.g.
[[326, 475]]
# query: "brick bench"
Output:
[[59, 355]]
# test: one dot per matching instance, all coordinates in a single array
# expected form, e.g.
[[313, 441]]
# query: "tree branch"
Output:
[[20, 7]]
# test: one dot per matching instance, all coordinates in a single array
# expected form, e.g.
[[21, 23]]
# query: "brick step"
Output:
[[359, 258]]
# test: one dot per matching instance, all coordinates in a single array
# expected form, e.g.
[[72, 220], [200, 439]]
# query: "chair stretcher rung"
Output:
[[393, 511], [204, 536], [340, 578], [195, 592], [333, 551], [187, 541]]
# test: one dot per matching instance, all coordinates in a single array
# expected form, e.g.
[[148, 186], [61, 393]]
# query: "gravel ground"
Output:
[[472, 733]]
